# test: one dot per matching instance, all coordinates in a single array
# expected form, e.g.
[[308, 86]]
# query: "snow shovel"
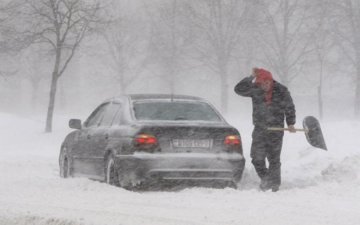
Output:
[[313, 133]]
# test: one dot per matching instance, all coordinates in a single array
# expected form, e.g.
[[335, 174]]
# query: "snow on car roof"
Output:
[[146, 97], [162, 96]]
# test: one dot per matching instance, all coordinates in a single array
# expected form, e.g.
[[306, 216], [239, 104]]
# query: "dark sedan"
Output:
[[138, 140]]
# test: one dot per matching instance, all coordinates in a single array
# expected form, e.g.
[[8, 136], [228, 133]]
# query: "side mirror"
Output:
[[75, 124]]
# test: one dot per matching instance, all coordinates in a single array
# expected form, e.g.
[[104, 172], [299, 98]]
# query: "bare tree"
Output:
[[6, 74], [6, 46], [35, 63], [322, 41], [284, 37], [219, 26], [346, 29], [170, 39], [61, 25], [127, 49]]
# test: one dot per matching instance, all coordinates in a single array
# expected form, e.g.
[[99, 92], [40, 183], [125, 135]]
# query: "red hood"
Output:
[[262, 76]]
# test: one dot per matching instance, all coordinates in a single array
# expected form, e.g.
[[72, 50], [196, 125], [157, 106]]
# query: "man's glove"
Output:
[[292, 129]]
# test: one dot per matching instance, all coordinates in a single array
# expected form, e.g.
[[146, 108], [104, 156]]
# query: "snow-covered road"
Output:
[[318, 188]]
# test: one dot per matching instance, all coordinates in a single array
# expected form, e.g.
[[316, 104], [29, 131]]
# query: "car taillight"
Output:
[[232, 140], [145, 139]]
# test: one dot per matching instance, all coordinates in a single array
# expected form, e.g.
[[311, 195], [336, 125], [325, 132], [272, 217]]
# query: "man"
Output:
[[272, 104]]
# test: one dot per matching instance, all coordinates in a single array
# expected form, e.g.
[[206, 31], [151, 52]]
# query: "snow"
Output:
[[319, 187]]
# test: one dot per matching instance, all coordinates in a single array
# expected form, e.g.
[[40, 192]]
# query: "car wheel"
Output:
[[64, 168], [233, 185], [111, 174]]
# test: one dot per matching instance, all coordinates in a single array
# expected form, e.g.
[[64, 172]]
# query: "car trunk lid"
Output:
[[190, 137]]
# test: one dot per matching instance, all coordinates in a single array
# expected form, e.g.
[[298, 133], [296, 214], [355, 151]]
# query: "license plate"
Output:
[[191, 143]]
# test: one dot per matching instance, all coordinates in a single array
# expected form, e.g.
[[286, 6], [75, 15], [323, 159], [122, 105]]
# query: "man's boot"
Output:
[[275, 188], [264, 184]]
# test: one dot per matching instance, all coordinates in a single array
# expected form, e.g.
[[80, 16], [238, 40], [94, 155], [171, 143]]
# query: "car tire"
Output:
[[233, 185], [111, 174], [65, 168]]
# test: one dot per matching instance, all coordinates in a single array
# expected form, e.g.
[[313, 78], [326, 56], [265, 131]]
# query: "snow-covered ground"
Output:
[[318, 188]]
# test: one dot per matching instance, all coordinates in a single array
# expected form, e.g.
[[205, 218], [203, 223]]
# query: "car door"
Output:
[[83, 160], [101, 136]]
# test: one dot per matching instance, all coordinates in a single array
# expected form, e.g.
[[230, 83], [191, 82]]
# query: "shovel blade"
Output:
[[314, 134]]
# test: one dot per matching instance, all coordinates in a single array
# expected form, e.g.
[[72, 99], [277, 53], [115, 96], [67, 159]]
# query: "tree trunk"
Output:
[[284, 46], [320, 98], [51, 105], [223, 88], [224, 94], [54, 79], [121, 90], [62, 95], [320, 102], [121, 74], [357, 94], [172, 84], [171, 77], [122, 85]]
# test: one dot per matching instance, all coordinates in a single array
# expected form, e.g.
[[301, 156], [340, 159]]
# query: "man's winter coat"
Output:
[[268, 115]]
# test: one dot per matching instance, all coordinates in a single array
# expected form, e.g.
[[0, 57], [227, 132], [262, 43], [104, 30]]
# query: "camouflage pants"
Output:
[[267, 145]]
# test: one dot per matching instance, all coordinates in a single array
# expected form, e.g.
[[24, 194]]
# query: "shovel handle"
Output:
[[285, 129]]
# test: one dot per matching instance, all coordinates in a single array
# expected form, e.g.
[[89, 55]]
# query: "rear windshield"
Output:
[[175, 111]]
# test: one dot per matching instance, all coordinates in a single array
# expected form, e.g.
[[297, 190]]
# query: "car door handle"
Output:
[[106, 136]]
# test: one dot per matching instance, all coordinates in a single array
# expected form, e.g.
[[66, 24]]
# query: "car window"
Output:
[[109, 114], [117, 119], [95, 118], [175, 111]]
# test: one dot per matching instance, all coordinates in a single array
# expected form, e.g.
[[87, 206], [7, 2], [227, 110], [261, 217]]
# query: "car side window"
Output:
[[117, 119], [96, 116], [109, 114]]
